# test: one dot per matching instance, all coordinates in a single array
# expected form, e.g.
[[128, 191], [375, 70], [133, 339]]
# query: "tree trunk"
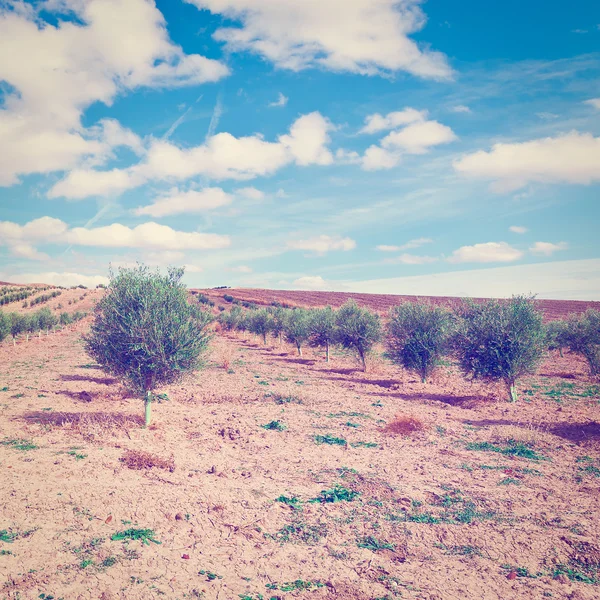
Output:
[[265, 338], [148, 408], [512, 391], [364, 362], [560, 352], [280, 338], [327, 350], [299, 349]]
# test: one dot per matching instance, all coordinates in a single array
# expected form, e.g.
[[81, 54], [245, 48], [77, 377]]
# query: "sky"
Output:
[[385, 146]]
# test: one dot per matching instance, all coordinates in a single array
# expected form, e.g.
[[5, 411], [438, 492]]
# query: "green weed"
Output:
[[274, 426], [19, 444], [330, 439], [336, 494], [371, 543], [144, 535]]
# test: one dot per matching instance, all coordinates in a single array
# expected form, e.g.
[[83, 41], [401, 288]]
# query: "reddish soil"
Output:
[[440, 513], [552, 309]]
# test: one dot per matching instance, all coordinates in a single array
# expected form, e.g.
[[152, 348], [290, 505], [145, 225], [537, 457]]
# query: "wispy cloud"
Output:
[[281, 101], [216, 116], [180, 120]]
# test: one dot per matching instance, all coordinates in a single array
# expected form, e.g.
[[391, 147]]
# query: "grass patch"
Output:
[[299, 532], [373, 544], [290, 501], [364, 445], [295, 586], [337, 494], [274, 426], [144, 535], [330, 439], [284, 399], [139, 460], [404, 425], [509, 448], [19, 444], [509, 481]]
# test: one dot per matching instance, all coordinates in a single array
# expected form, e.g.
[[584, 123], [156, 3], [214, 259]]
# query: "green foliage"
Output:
[[46, 319], [419, 335], [145, 332], [297, 327], [371, 543], [19, 444], [274, 426], [261, 323], [511, 448], [358, 329], [144, 535], [337, 494], [329, 439], [4, 326], [229, 320], [323, 328], [501, 340], [583, 336], [279, 317], [556, 335]]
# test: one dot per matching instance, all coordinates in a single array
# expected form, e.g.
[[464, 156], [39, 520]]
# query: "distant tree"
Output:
[[145, 332], [261, 323], [501, 340], [557, 335], [4, 325], [229, 319], [18, 325], [419, 335], [279, 315], [358, 329], [46, 320], [297, 327], [582, 335], [323, 329]]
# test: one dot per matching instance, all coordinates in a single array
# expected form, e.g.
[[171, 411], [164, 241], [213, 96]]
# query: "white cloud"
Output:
[[376, 122], [310, 282], [23, 250], [595, 102], [565, 280], [518, 229], [281, 193], [281, 101], [59, 68], [571, 158], [52, 278], [460, 108], [417, 138], [251, 193], [376, 158], [193, 201], [547, 248], [411, 259], [222, 156], [411, 244], [308, 139], [147, 235], [20, 238], [485, 253], [359, 36], [323, 243]]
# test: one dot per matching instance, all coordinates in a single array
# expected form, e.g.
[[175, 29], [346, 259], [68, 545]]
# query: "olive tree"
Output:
[[358, 329], [418, 336], [323, 329], [18, 325], [279, 315], [582, 335], [557, 335], [501, 340], [4, 325], [297, 327], [261, 323], [145, 332]]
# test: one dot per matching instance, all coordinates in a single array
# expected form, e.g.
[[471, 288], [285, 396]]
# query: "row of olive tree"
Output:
[[499, 340], [15, 324]]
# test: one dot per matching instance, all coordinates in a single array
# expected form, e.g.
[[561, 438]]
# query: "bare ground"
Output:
[[456, 510]]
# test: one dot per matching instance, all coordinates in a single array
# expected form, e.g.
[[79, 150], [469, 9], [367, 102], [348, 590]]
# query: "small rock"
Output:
[[179, 517], [185, 556]]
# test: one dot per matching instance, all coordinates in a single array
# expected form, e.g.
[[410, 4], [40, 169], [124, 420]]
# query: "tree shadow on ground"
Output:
[[466, 401], [100, 418], [573, 432], [297, 361], [560, 375], [91, 378], [82, 396]]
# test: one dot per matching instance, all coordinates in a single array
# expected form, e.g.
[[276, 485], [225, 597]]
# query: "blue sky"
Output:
[[367, 145]]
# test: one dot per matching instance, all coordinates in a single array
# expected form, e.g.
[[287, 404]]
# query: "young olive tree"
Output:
[[358, 329], [46, 319], [297, 327], [279, 315], [145, 332], [4, 325], [261, 323], [323, 329], [418, 336], [501, 340], [583, 336], [17, 326], [557, 336]]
